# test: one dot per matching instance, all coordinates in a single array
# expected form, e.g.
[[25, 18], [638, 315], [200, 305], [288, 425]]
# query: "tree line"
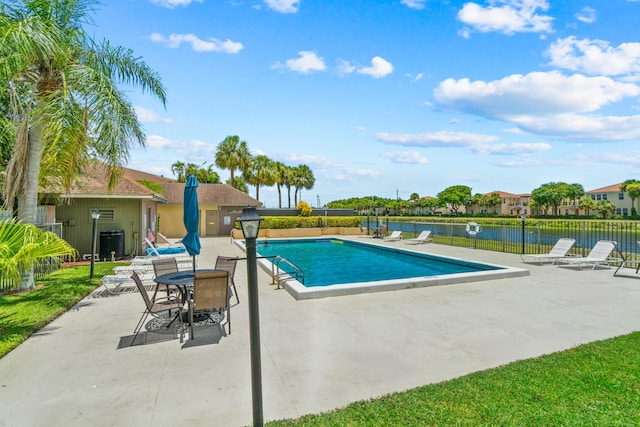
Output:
[[260, 171], [549, 197]]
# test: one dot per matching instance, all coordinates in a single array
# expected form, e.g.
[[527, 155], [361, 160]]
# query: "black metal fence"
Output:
[[530, 236]]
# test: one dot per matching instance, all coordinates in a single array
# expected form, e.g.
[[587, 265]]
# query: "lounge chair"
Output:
[[229, 265], [424, 237], [168, 242], [624, 261], [155, 305], [170, 251], [598, 255], [394, 236], [559, 250], [210, 293]]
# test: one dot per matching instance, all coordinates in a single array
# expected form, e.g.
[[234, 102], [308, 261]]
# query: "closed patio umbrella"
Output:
[[191, 218]]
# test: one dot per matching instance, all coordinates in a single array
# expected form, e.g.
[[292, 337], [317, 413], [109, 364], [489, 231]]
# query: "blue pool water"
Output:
[[332, 261]]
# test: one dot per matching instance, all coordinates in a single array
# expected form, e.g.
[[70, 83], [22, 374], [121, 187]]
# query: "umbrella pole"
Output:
[[194, 264]]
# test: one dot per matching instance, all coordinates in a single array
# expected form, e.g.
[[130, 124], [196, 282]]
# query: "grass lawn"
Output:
[[596, 384], [23, 314]]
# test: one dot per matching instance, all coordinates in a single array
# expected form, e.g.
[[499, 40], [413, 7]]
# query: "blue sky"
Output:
[[392, 97]]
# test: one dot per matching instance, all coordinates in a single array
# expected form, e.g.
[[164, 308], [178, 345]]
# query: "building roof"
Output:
[[608, 189], [140, 176], [93, 182], [505, 194], [210, 194]]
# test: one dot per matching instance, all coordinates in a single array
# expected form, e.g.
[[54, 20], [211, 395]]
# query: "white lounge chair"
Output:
[[424, 237], [559, 250], [598, 255], [167, 241], [394, 236]]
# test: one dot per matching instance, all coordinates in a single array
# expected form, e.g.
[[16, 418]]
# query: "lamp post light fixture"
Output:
[[250, 223], [95, 215]]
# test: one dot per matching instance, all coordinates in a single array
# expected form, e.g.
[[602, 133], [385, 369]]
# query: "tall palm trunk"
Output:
[[28, 198]]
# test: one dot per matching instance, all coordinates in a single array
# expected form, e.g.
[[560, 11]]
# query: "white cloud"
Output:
[[512, 149], [435, 139], [585, 128], [476, 143], [416, 77], [173, 3], [414, 4], [157, 141], [150, 116], [587, 15], [536, 93], [406, 157], [379, 68], [307, 61], [344, 67], [198, 45], [507, 16], [283, 6], [595, 56]]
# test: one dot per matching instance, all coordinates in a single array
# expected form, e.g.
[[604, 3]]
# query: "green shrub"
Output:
[[283, 222]]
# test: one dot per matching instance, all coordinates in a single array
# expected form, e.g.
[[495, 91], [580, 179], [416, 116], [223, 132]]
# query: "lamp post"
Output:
[[250, 223], [95, 215], [523, 217]]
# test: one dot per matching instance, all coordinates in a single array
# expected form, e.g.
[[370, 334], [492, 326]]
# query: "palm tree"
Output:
[[67, 101], [288, 181], [178, 168], [302, 178], [232, 154], [281, 179], [261, 171], [624, 187]]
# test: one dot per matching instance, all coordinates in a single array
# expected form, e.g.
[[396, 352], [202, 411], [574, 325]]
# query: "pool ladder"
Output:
[[279, 276]]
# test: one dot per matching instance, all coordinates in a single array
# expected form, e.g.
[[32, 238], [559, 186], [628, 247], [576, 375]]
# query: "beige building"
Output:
[[612, 193], [512, 204], [220, 205]]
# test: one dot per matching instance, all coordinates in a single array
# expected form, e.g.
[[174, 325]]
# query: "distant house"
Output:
[[511, 204], [126, 211], [220, 205], [620, 199]]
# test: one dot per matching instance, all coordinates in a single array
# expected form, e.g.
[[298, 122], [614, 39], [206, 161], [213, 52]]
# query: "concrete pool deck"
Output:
[[317, 355]]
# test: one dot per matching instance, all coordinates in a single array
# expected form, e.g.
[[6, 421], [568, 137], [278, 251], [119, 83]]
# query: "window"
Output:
[[604, 196], [625, 212], [106, 215], [620, 196], [598, 196], [593, 197]]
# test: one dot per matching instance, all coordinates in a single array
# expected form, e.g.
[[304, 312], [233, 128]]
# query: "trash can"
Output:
[[112, 241]]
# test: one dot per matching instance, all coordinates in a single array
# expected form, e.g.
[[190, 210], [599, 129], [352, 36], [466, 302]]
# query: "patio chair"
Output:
[[364, 232], [229, 265], [162, 266], [559, 250], [394, 236], [155, 306], [598, 255], [424, 237], [210, 292]]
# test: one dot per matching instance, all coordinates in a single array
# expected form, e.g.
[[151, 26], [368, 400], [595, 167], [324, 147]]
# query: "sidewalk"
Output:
[[317, 355]]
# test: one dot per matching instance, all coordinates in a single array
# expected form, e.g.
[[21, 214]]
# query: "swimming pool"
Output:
[[340, 267]]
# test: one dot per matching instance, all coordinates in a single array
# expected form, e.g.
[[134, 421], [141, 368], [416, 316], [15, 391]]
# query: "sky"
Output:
[[391, 97]]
